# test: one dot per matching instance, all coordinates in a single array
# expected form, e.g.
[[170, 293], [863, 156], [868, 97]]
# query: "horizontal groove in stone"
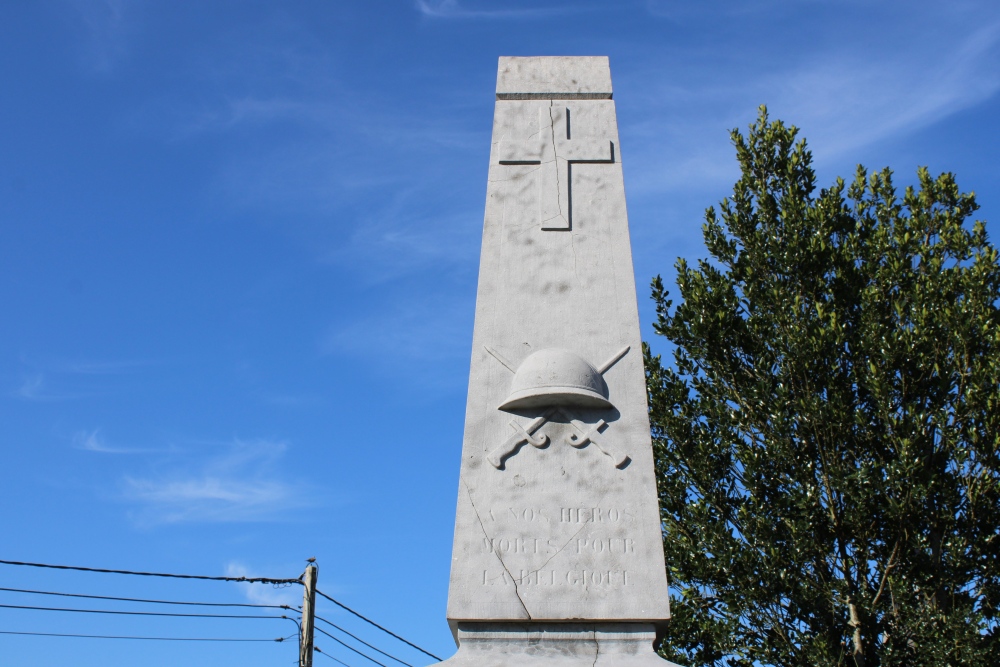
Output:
[[553, 96]]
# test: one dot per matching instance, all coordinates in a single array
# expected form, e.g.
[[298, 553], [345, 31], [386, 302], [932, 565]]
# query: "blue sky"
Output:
[[238, 256]]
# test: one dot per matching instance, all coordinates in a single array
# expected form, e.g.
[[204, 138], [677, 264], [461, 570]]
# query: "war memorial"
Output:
[[558, 556]]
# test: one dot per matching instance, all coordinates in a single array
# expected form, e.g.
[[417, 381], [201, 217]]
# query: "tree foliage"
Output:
[[827, 435]]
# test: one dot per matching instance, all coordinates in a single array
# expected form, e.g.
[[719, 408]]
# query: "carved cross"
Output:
[[555, 151]]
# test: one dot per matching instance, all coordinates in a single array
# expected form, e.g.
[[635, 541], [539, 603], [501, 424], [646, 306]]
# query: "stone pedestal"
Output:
[[543, 644], [558, 551]]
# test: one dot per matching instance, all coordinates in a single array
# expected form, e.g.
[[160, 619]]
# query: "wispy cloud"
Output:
[[36, 387], [394, 241], [104, 367], [843, 98], [93, 441], [291, 400], [365, 190], [678, 11], [242, 484], [848, 102], [105, 32], [244, 84], [31, 387], [59, 380], [351, 169], [407, 331], [237, 112], [453, 9], [210, 498], [435, 340]]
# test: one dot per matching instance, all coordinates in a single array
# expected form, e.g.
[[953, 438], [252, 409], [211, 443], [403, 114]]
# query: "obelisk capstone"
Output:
[[558, 555]]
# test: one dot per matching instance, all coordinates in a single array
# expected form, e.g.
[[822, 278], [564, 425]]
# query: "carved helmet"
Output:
[[554, 377]]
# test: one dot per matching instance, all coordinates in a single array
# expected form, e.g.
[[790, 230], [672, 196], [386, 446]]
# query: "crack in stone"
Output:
[[555, 156], [567, 543], [482, 527], [597, 648]]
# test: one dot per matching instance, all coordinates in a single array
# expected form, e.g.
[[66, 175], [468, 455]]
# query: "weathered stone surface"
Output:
[[557, 515], [565, 644], [554, 77]]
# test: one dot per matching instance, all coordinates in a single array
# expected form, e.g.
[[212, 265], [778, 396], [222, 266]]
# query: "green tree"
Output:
[[827, 435]]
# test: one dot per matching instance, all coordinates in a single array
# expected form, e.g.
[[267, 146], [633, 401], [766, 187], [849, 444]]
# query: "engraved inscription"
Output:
[[614, 546], [610, 545], [565, 514], [595, 515], [519, 514], [520, 545], [582, 578], [524, 514]]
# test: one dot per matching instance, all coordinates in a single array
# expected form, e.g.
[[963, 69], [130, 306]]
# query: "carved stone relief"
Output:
[[555, 151], [555, 381]]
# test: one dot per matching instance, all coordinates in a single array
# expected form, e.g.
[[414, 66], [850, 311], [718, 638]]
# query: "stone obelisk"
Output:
[[558, 555]]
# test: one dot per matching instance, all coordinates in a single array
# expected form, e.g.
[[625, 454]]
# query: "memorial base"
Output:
[[549, 644]]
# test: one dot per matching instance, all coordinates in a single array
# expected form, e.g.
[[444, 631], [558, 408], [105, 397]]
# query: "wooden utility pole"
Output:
[[308, 615]]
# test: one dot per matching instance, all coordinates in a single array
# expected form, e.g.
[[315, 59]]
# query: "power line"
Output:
[[374, 648], [267, 580], [348, 646], [368, 620], [139, 613], [316, 648], [106, 597], [161, 639], [250, 580]]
